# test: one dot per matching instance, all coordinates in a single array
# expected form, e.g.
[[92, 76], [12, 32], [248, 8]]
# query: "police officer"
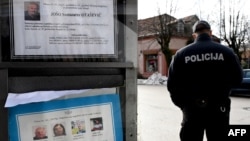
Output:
[[200, 77]]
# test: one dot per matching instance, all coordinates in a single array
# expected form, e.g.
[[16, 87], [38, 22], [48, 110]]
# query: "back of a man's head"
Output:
[[201, 26]]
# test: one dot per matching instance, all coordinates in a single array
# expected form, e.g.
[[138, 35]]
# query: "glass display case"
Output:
[[63, 45]]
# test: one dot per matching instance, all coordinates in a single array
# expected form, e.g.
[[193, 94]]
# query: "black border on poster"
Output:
[[46, 57]]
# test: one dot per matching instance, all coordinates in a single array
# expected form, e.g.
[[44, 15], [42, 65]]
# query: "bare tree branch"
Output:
[[234, 27]]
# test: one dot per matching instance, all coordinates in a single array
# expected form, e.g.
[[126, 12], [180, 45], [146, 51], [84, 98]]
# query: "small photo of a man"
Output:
[[40, 132], [31, 12]]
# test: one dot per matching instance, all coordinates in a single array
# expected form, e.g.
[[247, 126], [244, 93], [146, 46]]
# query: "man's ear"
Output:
[[210, 33], [194, 35]]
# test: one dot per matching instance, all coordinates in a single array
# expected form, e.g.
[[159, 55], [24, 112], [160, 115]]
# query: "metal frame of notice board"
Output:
[[20, 76]]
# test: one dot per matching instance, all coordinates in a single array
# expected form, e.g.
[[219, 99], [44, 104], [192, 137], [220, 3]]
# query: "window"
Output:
[[151, 63], [180, 26]]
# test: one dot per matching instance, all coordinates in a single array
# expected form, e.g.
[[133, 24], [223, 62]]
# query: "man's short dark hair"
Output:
[[201, 25]]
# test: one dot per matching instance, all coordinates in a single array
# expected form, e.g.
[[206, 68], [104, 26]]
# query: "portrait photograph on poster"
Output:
[[62, 28], [86, 118]]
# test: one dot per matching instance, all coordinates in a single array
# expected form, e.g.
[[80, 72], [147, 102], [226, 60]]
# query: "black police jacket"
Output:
[[203, 70]]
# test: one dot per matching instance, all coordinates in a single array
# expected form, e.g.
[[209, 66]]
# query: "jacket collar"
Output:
[[203, 37]]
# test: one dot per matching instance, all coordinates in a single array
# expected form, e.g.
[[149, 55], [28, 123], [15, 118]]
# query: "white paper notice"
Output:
[[64, 27], [14, 99], [64, 124]]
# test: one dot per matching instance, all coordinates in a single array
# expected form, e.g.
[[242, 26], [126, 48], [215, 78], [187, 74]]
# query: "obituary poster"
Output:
[[95, 118], [64, 27]]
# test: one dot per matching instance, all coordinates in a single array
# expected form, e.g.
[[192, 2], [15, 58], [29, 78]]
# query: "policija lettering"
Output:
[[204, 57]]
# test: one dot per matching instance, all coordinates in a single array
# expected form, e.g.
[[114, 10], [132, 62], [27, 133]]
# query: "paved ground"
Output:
[[159, 119]]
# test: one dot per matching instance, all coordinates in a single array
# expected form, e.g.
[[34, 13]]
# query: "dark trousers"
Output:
[[212, 120]]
